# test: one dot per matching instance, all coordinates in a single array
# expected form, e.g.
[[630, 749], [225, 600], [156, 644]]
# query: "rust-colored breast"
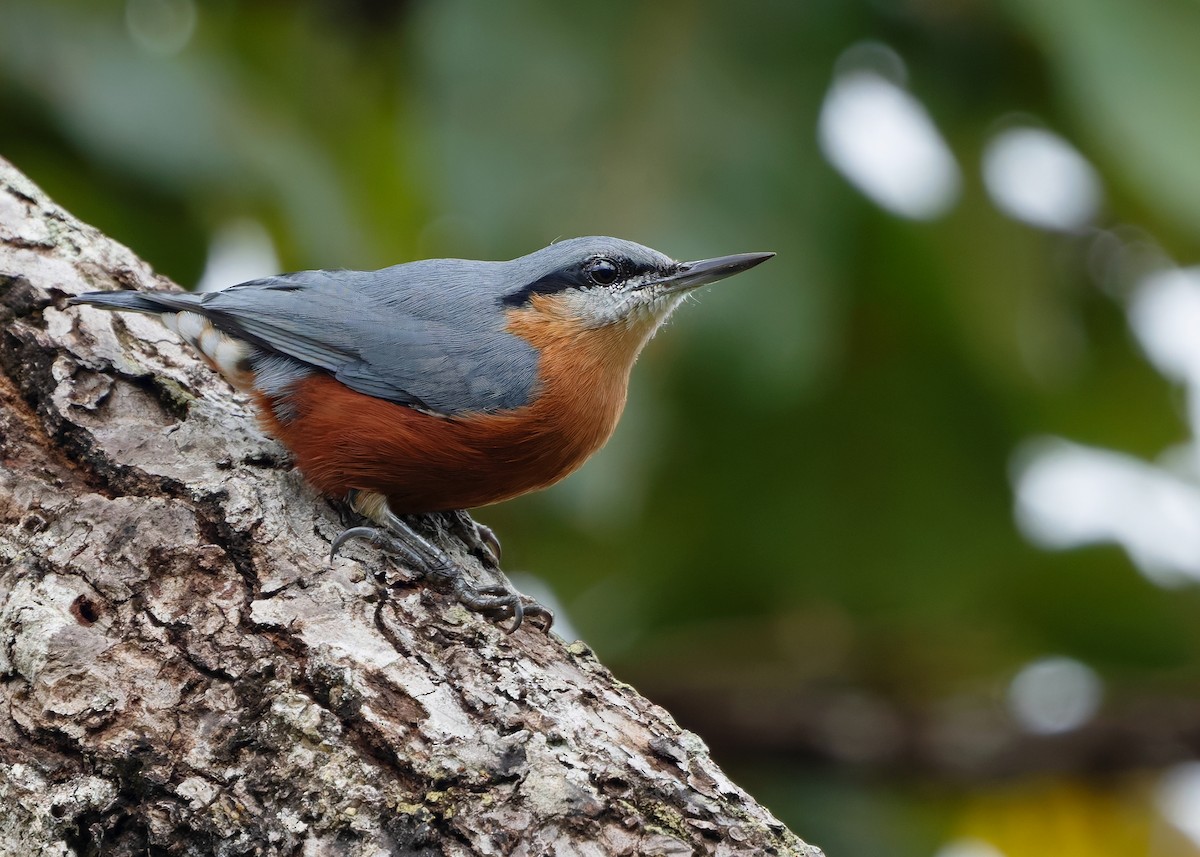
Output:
[[425, 463]]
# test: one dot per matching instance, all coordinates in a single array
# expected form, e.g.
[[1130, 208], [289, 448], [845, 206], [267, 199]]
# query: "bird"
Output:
[[439, 385]]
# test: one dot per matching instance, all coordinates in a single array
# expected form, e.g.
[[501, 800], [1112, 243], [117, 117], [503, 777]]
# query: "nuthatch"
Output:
[[440, 385]]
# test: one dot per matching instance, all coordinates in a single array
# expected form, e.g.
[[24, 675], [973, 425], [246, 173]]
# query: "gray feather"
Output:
[[421, 334]]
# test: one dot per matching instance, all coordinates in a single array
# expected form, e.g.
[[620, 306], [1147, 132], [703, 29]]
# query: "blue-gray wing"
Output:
[[426, 334]]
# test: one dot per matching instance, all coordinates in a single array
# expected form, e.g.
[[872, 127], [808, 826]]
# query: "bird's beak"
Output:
[[693, 274]]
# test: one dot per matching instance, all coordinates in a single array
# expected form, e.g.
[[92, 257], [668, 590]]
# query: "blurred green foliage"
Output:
[[810, 492]]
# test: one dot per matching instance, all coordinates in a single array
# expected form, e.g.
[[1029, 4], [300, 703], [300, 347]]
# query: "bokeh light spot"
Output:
[[1178, 798], [1038, 177], [1165, 316], [1054, 695], [883, 141], [240, 250], [1070, 495], [969, 847]]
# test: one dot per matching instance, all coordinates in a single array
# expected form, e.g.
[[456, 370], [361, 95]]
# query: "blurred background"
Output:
[[906, 523]]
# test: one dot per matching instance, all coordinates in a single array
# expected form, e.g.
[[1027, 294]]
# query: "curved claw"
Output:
[[487, 537], [537, 611], [518, 610], [352, 533], [479, 538]]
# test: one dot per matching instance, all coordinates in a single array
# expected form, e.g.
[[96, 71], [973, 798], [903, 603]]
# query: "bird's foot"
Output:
[[497, 602]]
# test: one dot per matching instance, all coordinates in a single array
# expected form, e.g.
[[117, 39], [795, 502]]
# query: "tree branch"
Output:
[[183, 673]]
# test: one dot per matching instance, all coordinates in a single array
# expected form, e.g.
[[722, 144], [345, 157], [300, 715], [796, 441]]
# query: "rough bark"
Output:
[[182, 671]]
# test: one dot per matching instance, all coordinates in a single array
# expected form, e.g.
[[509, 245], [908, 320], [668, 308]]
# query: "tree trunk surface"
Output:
[[183, 672]]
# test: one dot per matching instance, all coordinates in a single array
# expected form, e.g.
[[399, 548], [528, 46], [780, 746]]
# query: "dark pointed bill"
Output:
[[693, 274]]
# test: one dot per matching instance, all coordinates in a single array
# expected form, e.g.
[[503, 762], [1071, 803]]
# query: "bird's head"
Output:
[[599, 282]]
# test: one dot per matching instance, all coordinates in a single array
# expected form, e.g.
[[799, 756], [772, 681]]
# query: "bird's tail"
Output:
[[181, 313], [151, 302]]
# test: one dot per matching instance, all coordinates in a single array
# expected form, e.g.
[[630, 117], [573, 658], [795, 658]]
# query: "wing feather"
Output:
[[417, 334]]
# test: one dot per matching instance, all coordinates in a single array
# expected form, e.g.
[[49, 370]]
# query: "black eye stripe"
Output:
[[578, 276], [552, 283]]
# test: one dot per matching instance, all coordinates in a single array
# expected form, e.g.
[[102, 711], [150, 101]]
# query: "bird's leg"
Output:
[[396, 538]]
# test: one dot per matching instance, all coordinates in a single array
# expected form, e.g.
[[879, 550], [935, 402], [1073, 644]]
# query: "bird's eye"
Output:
[[602, 272]]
